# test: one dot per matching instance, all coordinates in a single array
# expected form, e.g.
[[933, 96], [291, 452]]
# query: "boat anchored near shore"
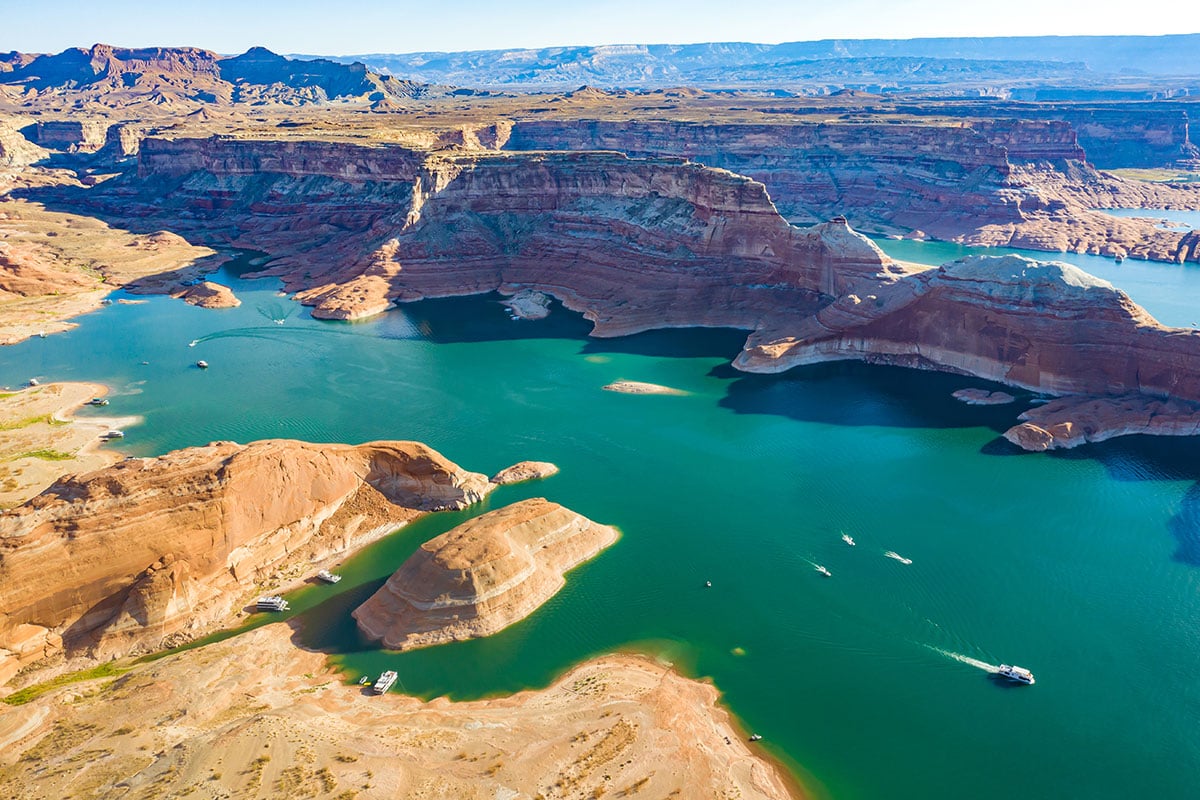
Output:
[[328, 577], [385, 682], [271, 603]]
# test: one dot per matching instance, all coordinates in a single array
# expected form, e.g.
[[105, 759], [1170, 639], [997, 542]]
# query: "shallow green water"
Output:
[[1084, 567]]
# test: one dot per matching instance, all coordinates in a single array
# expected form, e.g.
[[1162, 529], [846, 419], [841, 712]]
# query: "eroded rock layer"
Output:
[[118, 559], [1039, 325], [482, 576], [641, 243]]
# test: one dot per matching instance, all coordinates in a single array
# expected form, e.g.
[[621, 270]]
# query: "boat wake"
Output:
[[974, 662], [276, 312], [898, 557]]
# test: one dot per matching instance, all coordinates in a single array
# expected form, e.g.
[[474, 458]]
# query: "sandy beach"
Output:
[[256, 716], [41, 439], [638, 387]]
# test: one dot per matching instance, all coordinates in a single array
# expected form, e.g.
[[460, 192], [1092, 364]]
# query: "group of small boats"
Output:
[[848, 539], [1012, 673]]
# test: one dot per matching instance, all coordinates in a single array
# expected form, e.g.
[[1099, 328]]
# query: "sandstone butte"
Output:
[[237, 717], [156, 550], [207, 294], [482, 576], [636, 244]]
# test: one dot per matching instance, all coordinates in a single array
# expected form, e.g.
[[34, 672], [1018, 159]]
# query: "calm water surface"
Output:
[[1182, 219], [1084, 567]]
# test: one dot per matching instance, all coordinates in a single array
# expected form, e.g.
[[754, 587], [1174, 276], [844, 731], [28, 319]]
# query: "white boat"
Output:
[[328, 576], [385, 682], [34, 381], [202, 364], [848, 539], [272, 603], [824, 571], [97, 401], [113, 435], [1019, 674], [893, 554]]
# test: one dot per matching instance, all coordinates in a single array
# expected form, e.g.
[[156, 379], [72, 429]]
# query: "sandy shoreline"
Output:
[[258, 711], [41, 439], [639, 387]]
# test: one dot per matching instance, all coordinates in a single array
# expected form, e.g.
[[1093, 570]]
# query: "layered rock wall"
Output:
[[118, 559], [1042, 326], [482, 576], [910, 176]]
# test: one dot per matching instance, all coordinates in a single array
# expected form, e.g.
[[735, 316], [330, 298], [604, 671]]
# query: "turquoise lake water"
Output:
[[1082, 566]]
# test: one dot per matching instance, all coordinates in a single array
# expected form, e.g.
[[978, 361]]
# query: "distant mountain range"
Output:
[[116, 77], [853, 63]]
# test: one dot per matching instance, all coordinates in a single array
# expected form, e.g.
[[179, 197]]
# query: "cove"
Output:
[[1082, 566]]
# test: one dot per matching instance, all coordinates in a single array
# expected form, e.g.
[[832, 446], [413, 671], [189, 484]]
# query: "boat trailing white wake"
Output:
[[974, 662], [898, 557]]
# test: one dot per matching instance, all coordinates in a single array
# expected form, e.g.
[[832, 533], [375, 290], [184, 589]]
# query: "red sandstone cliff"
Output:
[[1014, 182], [120, 559], [649, 243]]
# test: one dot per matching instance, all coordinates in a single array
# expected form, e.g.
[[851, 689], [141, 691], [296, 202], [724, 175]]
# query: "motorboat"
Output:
[[754, 737], [328, 576], [385, 682], [97, 401], [824, 571], [1018, 674], [113, 435], [272, 603], [708, 584], [202, 364], [848, 539]]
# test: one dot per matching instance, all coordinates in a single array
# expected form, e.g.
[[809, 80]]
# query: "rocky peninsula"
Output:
[[482, 576], [156, 550], [613, 725]]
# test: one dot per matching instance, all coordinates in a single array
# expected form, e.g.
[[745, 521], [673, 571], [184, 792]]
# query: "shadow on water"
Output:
[[483, 318], [852, 393], [1155, 458]]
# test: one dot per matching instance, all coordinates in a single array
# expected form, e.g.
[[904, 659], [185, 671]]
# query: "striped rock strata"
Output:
[[482, 576], [117, 560]]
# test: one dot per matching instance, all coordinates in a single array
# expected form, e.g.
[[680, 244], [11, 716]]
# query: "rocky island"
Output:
[[482, 576]]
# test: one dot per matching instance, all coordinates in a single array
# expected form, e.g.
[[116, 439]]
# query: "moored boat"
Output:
[[202, 364], [1019, 674], [385, 682], [272, 603], [328, 576]]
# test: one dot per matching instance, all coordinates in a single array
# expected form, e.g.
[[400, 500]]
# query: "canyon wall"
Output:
[[934, 178], [988, 182], [123, 558], [636, 244]]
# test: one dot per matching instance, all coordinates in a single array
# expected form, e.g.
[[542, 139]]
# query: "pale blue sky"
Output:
[[339, 27]]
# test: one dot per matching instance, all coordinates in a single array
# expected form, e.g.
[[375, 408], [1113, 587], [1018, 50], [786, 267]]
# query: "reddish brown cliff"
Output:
[[118, 559], [482, 576]]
